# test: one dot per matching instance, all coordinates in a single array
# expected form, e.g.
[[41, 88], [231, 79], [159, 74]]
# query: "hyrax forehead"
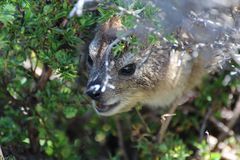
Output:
[[106, 35]]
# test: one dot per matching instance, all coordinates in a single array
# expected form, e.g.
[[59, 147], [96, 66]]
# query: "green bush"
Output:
[[44, 115]]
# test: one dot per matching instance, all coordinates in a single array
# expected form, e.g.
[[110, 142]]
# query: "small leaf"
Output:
[[26, 140], [6, 14], [215, 156], [70, 112]]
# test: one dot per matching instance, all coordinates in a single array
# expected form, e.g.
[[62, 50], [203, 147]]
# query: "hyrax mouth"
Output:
[[105, 108]]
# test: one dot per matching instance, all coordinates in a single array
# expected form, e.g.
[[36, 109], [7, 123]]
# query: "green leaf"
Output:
[[7, 14], [215, 156], [26, 140], [49, 148], [9, 130], [70, 112]]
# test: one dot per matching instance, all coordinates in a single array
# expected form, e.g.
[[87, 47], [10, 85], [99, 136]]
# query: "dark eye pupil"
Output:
[[128, 70], [90, 61]]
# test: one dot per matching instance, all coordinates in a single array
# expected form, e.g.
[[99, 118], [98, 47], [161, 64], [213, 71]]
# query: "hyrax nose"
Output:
[[94, 91]]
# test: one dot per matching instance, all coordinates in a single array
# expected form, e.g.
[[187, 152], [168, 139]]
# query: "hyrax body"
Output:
[[155, 76]]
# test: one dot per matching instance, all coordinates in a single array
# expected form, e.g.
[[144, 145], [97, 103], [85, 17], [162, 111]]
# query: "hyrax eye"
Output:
[[128, 70], [89, 60]]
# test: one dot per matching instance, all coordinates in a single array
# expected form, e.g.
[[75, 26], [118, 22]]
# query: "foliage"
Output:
[[42, 114]]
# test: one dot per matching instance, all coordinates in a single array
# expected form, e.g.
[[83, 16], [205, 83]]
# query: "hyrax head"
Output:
[[118, 82]]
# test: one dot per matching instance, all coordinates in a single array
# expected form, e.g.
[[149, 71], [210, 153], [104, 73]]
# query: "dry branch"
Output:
[[166, 122], [1, 154], [204, 124], [232, 122], [120, 138]]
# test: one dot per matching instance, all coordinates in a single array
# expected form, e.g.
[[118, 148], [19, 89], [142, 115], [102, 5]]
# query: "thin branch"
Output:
[[35, 67], [166, 122], [134, 13], [120, 138], [1, 154], [148, 53], [1, 53], [143, 121], [46, 74], [236, 114], [221, 126], [78, 7], [31, 63], [204, 124], [232, 122]]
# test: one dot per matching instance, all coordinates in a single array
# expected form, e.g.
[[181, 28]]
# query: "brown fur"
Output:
[[158, 82]]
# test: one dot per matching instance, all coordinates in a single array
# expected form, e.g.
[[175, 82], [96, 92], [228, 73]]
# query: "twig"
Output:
[[207, 139], [33, 137], [135, 13], [166, 122], [35, 67], [120, 138], [232, 122], [78, 7], [143, 121], [204, 124], [236, 114], [45, 75], [221, 126], [1, 52], [148, 53], [1, 154]]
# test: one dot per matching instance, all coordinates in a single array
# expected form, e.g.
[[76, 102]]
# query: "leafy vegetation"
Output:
[[44, 114]]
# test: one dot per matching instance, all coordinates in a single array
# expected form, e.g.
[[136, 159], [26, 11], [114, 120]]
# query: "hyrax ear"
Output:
[[113, 23], [110, 28]]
